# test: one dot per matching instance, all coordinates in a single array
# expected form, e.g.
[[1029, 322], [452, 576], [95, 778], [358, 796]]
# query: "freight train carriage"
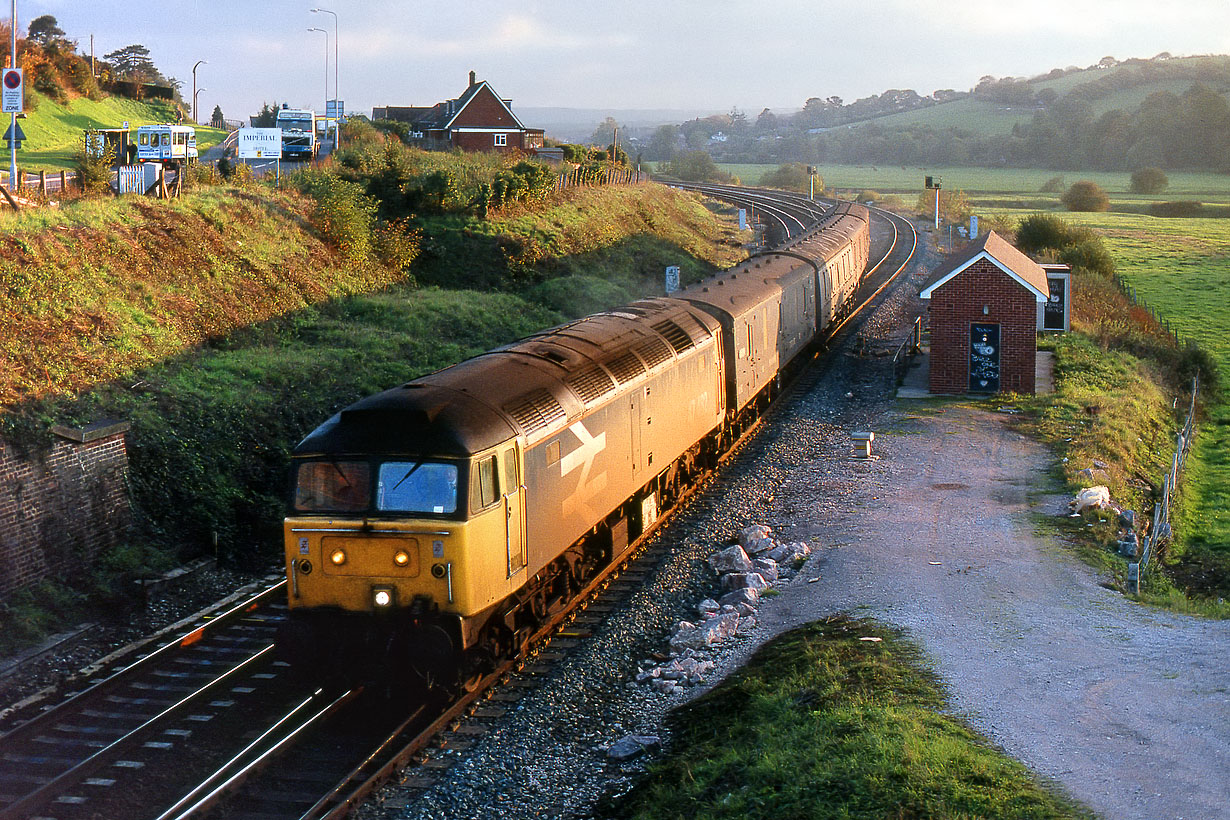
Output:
[[435, 524]]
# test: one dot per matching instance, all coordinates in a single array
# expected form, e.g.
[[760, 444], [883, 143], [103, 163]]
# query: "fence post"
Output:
[[63, 183], [42, 182]]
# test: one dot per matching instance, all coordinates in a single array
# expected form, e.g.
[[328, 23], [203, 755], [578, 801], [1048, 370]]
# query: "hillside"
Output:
[[53, 130]]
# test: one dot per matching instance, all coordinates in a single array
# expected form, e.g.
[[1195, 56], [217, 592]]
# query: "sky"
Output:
[[629, 54]]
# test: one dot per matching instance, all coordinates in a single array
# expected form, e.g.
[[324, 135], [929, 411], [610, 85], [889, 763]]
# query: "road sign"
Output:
[[335, 109], [11, 91], [260, 143]]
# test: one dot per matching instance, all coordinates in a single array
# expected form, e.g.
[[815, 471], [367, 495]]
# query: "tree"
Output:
[[132, 63], [45, 30], [1149, 181], [696, 166], [663, 143], [1085, 196], [767, 121], [267, 117], [603, 133]]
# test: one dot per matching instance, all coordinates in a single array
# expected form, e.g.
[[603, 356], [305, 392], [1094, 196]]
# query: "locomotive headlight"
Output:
[[382, 597], [401, 558], [338, 557]]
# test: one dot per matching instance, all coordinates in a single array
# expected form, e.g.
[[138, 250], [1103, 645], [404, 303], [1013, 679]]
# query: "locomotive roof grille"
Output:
[[591, 384], [677, 336], [626, 367], [535, 410], [654, 351]]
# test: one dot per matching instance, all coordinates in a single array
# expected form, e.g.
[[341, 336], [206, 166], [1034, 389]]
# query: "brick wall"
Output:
[[958, 303], [62, 505]]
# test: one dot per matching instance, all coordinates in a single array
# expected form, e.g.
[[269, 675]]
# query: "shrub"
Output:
[[344, 215], [1182, 208], [1089, 254], [790, 177], [695, 166], [1053, 185], [1149, 181], [1037, 232], [1085, 196], [92, 164]]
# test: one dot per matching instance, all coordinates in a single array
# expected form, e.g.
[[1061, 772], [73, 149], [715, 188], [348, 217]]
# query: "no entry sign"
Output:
[[11, 91]]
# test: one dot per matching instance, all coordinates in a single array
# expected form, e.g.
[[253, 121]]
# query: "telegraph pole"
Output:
[[13, 122]]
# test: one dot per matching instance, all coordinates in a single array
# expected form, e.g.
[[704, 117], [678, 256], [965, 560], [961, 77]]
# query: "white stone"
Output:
[[753, 533], [731, 559]]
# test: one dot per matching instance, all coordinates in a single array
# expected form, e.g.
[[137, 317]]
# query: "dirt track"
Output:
[[1127, 707]]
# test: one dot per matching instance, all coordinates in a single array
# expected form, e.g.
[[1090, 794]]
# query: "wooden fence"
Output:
[[580, 177]]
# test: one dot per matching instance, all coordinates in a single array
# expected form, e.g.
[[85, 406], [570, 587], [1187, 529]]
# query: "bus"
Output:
[[298, 126], [166, 143]]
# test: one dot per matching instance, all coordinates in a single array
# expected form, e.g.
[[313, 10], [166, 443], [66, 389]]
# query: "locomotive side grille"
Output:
[[626, 367], [535, 410], [654, 351], [677, 336], [591, 385]]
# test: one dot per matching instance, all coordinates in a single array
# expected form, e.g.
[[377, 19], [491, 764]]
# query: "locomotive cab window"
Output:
[[417, 487], [333, 486], [484, 489]]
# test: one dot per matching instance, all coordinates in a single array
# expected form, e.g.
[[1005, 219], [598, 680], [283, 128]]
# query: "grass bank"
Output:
[[225, 329], [823, 723]]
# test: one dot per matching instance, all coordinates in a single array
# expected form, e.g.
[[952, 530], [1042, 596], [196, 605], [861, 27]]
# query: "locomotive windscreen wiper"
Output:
[[409, 473]]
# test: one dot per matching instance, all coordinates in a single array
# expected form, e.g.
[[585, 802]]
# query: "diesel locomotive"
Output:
[[431, 527]]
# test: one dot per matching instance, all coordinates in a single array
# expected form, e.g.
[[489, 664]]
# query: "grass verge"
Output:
[[823, 724]]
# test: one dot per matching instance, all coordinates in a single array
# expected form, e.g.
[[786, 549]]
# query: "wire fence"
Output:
[[1160, 529]]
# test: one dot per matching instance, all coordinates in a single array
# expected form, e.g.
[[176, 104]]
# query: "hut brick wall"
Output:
[[958, 303]]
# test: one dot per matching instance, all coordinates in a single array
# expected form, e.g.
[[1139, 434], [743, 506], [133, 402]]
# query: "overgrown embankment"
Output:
[[227, 325]]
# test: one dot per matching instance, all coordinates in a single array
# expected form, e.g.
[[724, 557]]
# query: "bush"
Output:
[[792, 176], [1085, 196], [1089, 254], [1180, 208], [1037, 232], [1149, 181], [1053, 185], [93, 166], [344, 214], [695, 166]]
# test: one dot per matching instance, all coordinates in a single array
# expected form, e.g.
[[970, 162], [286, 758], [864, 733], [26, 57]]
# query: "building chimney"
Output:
[[473, 78]]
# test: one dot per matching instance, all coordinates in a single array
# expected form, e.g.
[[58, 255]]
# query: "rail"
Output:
[[1160, 528]]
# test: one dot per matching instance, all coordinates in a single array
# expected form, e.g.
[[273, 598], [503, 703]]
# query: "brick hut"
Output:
[[984, 319]]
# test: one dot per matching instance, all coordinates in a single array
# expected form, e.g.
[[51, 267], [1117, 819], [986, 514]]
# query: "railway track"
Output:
[[212, 725]]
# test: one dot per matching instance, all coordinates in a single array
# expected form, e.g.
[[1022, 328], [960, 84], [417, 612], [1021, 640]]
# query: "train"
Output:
[[431, 527]]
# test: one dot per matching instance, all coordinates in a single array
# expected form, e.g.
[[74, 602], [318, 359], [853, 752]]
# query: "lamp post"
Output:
[[337, 95], [195, 94], [322, 31], [197, 63]]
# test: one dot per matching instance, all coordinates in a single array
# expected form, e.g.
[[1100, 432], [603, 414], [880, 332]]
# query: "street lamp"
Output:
[[337, 95], [197, 63], [322, 31], [194, 97]]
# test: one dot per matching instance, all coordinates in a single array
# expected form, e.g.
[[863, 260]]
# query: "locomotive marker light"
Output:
[[401, 558], [338, 557]]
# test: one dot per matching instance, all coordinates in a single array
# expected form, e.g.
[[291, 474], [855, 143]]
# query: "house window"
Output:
[[501, 139]]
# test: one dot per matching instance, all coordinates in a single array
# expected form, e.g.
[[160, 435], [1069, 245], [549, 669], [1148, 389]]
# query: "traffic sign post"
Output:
[[12, 90]]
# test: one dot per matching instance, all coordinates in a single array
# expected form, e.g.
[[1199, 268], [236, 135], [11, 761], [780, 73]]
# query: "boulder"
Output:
[[708, 607], [741, 598], [744, 580], [632, 746], [789, 553], [755, 532], [693, 636], [766, 568], [760, 545], [731, 559]]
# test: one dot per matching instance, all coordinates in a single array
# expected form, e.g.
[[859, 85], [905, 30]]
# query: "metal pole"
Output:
[[13, 121], [937, 208]]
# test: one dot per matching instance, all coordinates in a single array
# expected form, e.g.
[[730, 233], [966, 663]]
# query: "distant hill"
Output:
[[578, 124]]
